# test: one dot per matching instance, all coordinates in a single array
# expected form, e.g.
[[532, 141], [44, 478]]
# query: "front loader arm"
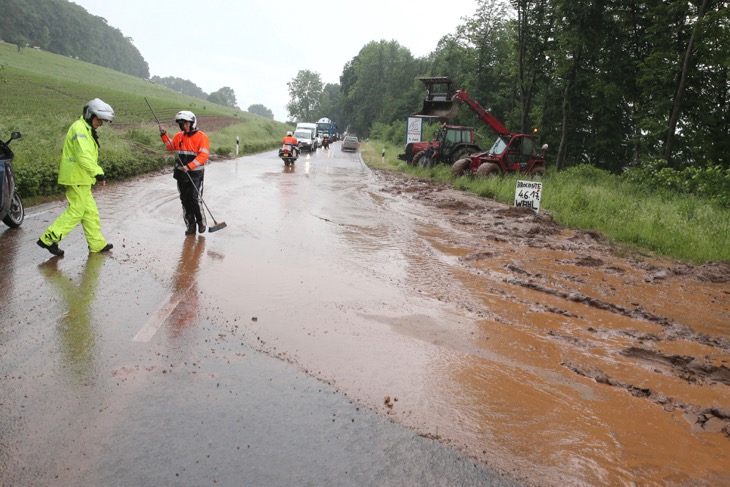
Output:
[[443, 101], [485, 115]]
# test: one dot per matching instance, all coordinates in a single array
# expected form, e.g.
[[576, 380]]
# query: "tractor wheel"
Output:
[[462, 153], [416, 161], [488, 169], [537, 172], [460, 167]]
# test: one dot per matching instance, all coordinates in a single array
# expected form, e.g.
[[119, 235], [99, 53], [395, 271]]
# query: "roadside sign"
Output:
[[414, 129], [528, 194]]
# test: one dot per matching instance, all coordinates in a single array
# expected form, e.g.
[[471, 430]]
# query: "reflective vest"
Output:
[[80, 158], [191, 150]]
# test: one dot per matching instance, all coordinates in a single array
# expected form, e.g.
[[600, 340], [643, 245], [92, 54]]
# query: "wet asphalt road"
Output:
[[144, 366]]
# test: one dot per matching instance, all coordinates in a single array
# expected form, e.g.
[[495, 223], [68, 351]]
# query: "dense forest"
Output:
[[611, 83], [62, 27]]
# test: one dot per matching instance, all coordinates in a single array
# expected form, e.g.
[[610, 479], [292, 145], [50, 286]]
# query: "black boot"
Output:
[[190, 230], [53, 248]]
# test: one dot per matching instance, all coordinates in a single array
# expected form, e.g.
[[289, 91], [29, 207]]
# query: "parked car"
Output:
[[350, 143]]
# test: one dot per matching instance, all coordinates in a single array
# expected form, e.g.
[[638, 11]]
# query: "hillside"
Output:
[[43, 93], [65, 28]]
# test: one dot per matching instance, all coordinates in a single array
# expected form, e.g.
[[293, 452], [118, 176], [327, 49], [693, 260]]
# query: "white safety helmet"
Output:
[[102, 111], [289, 134], [186, 116]]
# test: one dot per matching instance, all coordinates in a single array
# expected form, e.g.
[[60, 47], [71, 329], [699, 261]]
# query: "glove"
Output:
[[100, 177]]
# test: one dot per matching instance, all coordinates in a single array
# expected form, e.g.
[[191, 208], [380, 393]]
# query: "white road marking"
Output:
[[156, 320]]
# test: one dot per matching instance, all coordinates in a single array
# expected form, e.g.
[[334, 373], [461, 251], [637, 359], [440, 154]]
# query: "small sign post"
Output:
[[528, 194], [237, 142]]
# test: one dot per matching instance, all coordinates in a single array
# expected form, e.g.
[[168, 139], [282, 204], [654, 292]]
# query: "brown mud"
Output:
[[637, 346]]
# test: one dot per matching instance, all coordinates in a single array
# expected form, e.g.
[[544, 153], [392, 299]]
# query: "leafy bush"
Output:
[[711, 182]]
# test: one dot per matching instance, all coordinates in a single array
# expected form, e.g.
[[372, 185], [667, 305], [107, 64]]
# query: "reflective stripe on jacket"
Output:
[[80, 157], [192, 150]]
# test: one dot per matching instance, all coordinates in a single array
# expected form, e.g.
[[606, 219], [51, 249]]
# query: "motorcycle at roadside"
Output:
[[288, 154], [12, 211]]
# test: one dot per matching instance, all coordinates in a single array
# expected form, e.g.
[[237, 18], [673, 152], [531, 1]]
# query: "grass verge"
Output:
[[681, 227]]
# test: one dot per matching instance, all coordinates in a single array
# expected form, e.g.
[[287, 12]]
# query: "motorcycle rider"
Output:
[[192, 148], [289, 139], [78, 171]]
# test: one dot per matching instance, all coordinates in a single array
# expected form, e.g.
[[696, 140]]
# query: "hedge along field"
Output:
[[43, 93]]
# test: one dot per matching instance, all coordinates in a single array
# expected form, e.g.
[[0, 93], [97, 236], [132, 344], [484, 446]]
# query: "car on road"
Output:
[[350, 143], [305, 139]]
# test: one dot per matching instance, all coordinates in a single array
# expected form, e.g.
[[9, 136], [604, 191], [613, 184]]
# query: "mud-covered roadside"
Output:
[[593, 367]]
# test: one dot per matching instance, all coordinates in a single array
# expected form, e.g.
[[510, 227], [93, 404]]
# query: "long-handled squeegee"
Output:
[[217, 226]]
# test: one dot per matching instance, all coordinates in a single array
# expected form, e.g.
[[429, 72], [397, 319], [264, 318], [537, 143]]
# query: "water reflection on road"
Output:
[[76, 322]]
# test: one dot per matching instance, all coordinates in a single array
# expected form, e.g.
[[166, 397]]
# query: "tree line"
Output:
[[610, 83], [224, 96], [62, 27]]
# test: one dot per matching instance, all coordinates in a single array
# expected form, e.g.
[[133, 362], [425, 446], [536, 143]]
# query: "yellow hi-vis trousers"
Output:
[[81, 208]]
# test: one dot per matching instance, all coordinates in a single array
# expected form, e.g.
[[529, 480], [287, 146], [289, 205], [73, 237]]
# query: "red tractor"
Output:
[[452, 143], [510, 152]]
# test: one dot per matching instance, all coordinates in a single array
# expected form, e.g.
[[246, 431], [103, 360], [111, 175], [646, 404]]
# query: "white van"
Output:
[[305, 139], [315, 133]]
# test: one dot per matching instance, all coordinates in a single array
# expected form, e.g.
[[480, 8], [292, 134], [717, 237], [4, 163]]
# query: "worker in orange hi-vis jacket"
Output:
[[192, 148]]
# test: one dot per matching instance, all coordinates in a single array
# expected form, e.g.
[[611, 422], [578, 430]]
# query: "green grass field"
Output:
[[43, 93]]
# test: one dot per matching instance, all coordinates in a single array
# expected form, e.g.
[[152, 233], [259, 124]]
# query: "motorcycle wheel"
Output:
[[16, 213]]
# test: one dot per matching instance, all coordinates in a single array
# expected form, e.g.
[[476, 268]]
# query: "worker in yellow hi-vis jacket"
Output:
[[78, 171]]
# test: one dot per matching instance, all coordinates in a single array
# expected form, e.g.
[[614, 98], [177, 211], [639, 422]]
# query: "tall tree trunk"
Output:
[[563, 148], [677, 103], [521, 25], [570, 79]]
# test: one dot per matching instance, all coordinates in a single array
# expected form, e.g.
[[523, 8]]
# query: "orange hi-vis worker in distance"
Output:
[[289, 139]]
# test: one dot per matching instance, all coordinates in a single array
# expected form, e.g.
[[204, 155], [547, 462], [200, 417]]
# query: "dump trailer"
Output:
[[511, 152]]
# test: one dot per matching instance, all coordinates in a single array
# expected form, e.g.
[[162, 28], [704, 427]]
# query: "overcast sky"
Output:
[[256, 46]]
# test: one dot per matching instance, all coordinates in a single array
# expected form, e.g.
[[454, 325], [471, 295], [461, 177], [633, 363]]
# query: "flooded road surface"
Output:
[[351, 327]]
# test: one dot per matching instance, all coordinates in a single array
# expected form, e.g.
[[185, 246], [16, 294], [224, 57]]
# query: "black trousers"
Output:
[[189, 197]]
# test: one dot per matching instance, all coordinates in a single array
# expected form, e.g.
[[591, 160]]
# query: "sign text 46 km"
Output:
[[528, 194]]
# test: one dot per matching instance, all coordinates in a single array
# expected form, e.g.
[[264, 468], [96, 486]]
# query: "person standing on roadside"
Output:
[[78, 171], [427, 155], [192, 148]]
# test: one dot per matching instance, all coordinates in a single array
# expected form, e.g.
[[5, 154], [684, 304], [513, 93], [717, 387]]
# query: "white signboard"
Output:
[[528, 194], [414, 128]]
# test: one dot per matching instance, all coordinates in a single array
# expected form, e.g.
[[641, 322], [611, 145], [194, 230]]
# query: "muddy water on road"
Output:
[[530, 347]]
